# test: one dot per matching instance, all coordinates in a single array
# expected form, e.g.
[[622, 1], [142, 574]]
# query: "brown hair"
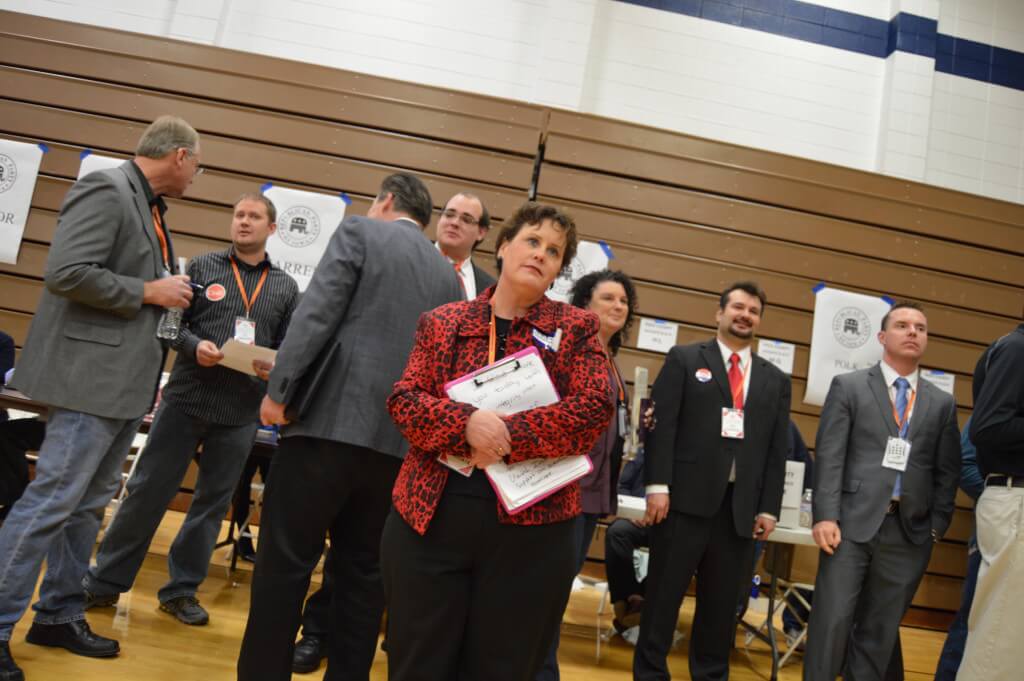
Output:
[[533, 213]]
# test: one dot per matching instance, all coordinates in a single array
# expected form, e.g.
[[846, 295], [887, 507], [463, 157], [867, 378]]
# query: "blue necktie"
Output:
[[902, 391]]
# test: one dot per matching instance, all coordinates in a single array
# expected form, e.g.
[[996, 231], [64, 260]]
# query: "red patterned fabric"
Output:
[[451, 341]]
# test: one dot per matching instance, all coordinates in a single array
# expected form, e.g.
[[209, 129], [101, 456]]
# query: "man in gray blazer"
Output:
[[93, 356], [886, 469], [334, 469]]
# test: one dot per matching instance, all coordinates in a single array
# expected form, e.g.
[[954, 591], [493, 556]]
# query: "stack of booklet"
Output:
[[516, 383]]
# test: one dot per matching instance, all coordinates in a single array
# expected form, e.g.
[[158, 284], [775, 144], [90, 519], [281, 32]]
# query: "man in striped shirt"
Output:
[[244, 297]]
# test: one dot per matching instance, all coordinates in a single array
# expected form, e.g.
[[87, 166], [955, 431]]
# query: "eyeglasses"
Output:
[[199, 170], [465, 218]]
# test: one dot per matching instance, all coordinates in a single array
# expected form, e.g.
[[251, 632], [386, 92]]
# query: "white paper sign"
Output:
[[779, 353], [792, 492], [844, 338], [590, 257], [305, 223], [940, 379], [657, 335], [91, 162], [18, 169], [19, 166]]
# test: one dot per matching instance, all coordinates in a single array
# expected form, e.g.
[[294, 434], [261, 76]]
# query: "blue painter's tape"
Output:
[[817, 287], [42, 145], [607, 250], [888, 300], [264, 188], [345, 198], [85, 152]]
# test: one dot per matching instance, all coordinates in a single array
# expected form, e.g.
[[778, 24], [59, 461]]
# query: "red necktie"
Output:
[[458, 273], [736, 381]]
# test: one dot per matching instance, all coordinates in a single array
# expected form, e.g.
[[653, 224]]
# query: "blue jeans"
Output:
[[172, 444], [953, 648], [59, 515]]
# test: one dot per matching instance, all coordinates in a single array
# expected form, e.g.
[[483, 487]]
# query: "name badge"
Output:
[[732, 423], [245, 330], [550, 342], [623, 425], [897, 453]]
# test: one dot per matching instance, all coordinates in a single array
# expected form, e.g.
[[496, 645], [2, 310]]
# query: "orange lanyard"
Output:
[[618, 379], [241, 287], [906, 412], [161, 236], [492, 342]]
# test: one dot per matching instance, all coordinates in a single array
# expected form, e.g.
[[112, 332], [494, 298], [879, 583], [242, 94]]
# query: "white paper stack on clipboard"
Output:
[[513, 384]]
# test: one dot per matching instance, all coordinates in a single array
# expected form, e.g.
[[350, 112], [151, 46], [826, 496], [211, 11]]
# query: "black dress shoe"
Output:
[[75, 636], [9, 671], [245, 549], [309, 653]]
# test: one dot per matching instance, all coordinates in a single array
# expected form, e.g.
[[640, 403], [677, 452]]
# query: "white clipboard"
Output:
[[513, 384]]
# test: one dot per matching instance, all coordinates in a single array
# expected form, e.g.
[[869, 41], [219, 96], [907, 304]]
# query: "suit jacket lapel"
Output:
[[146, 220], [714, 361], [922, 402], [881, 392], [757, 379]]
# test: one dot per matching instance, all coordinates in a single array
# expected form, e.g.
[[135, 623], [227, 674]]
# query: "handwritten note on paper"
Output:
[[517, 383], [523, 483]]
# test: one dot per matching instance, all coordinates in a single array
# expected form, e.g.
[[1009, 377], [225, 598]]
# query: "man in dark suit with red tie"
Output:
[[715, 470]]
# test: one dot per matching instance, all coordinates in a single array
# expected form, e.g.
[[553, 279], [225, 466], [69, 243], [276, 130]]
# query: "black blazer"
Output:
[[687, 450], [483, 280]]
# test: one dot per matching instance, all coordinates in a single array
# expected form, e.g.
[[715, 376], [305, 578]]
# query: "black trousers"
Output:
[[17, 437], [316, 614], [243, 492], [681, 545], [621, 539], [318, 487], [473, 600]]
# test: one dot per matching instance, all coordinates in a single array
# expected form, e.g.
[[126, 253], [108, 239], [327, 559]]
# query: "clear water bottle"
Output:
[[170, 320], [170, 323], [806, 515]]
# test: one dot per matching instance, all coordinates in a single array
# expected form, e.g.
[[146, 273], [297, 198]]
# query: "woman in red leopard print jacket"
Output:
[[474, 592]]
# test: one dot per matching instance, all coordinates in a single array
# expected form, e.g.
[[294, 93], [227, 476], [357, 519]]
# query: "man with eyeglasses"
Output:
[[463, 224], [92, 354]]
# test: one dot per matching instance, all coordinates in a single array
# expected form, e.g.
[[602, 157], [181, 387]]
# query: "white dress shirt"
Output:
[[465, 272]]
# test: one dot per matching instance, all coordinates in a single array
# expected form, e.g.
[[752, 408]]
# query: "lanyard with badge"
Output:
[[621, 415], [245, 327], [897, 449]]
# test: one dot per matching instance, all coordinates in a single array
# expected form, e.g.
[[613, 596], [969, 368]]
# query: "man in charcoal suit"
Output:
[[335, 467], [887, 463]]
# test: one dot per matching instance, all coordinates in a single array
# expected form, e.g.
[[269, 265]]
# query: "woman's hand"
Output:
[[482, 458], [487, 434]]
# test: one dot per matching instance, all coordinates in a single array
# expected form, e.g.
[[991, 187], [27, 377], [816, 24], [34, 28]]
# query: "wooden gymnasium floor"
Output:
[[155, 647]]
